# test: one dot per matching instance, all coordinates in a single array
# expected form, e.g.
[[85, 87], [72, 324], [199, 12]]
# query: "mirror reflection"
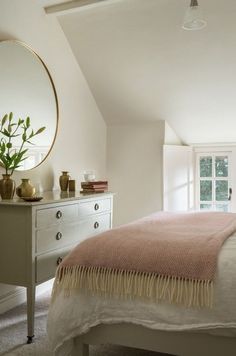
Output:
[[27, 90]]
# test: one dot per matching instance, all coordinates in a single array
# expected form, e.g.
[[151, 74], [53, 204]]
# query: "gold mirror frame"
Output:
[[54, 91]]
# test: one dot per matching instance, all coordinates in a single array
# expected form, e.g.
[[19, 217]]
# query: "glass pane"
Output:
[[221, 166], [222, 207], [205, 207], [205, 190], [206, 166], [221, 190]]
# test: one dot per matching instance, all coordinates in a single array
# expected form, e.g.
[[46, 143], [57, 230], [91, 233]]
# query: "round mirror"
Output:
[[27, 90]]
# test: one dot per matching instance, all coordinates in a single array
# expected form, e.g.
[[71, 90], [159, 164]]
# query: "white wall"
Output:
[[81, 139], [134, 163], [178, 178]]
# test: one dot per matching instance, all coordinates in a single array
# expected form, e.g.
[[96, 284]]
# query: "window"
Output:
[[213, 181]]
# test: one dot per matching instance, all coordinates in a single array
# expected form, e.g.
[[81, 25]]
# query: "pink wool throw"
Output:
[[165, 256]]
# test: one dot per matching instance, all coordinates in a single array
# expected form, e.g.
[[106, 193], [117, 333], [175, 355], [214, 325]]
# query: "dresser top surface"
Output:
[[56, 197]]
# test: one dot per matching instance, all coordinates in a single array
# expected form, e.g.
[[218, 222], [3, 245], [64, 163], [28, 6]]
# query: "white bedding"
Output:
[[74, 315]]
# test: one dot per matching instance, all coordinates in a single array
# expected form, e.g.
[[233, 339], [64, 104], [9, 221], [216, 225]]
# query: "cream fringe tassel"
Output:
[[131, 284]]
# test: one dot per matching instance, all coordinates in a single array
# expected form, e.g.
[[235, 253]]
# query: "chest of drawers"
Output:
[[36, 236]]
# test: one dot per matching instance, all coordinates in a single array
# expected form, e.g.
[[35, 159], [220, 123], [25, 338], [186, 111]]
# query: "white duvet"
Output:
[[74, 315]]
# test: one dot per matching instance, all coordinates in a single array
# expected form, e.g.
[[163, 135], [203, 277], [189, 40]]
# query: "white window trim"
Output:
[[210, 151]]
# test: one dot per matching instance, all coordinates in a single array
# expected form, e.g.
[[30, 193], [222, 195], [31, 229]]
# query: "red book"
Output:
[[94, 186], [87, 191]]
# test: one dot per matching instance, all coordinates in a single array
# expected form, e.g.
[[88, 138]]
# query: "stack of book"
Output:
[[94, 187]]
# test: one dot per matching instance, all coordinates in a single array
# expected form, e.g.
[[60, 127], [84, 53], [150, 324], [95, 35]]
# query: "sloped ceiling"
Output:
[[141, 65]]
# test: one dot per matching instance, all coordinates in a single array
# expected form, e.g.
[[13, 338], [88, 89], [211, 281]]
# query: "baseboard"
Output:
[[18, 296], [12, 299]]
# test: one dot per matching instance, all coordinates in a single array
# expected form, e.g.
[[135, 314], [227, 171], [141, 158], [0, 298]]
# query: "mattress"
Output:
[[78, 313]]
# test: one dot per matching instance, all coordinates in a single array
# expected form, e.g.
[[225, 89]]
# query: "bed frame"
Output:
[[175, 343]]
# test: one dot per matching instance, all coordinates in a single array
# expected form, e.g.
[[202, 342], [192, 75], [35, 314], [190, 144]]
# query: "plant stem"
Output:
[[9, 141], [21, 147]]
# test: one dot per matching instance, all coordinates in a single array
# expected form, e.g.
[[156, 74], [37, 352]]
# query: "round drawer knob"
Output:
[[59, 214], [96, 206], [59, 260], [96, 225], [58, 236]]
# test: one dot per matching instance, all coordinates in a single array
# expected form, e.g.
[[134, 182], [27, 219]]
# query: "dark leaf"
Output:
[[5, 133], [3, 147], [4, 119], [28, 122], [4, 161], [40, 130]]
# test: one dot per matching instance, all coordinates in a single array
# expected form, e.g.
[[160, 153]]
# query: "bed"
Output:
[[80, 319]]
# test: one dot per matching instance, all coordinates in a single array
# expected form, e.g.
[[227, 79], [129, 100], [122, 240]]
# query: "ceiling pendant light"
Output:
[[193, 19]]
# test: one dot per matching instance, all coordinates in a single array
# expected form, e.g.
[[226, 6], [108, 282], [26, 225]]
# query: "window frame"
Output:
[[212, 152]]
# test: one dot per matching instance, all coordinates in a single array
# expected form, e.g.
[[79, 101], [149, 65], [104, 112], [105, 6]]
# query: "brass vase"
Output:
[[64, 181], [7, 187], [25, 189]]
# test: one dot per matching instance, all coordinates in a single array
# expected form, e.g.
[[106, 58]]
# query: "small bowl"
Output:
[[32, 199]]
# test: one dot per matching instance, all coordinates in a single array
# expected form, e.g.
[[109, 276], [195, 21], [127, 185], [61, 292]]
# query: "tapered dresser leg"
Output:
[[80, 349], [30, 313]]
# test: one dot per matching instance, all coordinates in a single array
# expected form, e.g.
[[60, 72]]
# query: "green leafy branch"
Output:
[[10, 157]]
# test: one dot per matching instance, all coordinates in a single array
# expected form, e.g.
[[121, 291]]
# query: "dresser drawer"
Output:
[[56, 237], [47, 264], [94, 207], [94, 225], [51, 216]]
